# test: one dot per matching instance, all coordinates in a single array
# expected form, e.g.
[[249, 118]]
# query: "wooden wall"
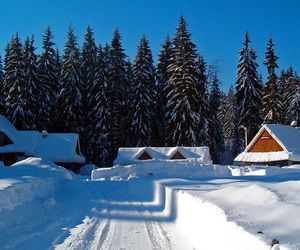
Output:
[[265, 143]]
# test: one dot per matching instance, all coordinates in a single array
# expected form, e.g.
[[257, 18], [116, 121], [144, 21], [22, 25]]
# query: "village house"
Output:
[[60, 148], [274, 144], [127, 156]]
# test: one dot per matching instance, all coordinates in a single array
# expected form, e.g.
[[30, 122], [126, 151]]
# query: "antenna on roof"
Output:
[[44, 134], [294, 124]]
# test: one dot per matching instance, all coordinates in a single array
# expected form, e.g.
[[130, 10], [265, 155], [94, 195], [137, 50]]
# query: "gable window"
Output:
[[4, 140], [177, 156], [144, 156]]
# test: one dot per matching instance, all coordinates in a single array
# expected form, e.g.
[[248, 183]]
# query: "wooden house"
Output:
[[274, 144], [60, 148], [127, 156]]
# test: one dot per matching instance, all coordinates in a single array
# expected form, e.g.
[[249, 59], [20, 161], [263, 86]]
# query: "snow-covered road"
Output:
[[119, 219], [43, 208]]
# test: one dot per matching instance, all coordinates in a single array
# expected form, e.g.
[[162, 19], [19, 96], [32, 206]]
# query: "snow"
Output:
[[56, 147], [287, 137], [27, 180], [181, 205], [128, 156], [160, 170]]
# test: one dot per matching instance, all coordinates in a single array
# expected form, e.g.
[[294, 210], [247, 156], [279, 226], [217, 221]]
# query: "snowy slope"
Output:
[[48, 207]]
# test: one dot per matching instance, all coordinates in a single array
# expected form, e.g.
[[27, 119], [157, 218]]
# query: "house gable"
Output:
[[177, 156], [4, 140], [144, 156], [265, 143]]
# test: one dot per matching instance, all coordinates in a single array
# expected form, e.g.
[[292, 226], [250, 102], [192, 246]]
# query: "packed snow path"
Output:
[[120, 221]]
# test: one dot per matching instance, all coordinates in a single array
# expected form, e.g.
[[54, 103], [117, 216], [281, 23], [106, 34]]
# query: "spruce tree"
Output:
[[142, 105], [182, 108], [116, 81], [128, 140], [230, 129], [31, 92], [2, 95], [162, 78], [88, 66], [216, 145], [100, 113], [272, 104], [294, 109], [71, 82], [47, 83], [15, 84], [288, 83], [203, 100], [248, 91]]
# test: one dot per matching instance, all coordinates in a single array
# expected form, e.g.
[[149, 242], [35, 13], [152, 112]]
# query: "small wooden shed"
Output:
[[274, 144], [127, 156]]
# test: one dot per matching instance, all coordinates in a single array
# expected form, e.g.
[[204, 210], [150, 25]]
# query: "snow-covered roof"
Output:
[[56, 147], [287, 137], [127, 156]]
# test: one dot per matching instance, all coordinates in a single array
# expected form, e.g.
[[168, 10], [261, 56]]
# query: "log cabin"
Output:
[[60, 148], [274, 144], [128, 156]]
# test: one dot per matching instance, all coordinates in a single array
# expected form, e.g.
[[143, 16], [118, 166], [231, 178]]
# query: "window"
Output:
[[4, 140], [177, 156], [144, 156], [8, 159]]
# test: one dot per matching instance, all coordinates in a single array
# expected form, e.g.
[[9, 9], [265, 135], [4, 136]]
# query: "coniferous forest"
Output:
[[113, 102]]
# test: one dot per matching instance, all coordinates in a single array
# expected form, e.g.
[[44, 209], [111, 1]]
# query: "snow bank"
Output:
[[160, 170], [264, 170], [266, 209], [29, 179], [187, 170], [87, 169], [206, 226]]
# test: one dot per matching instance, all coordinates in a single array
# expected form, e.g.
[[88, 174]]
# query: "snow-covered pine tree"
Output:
[[15, 84], [272, 105], [248, 91], [48, 85], [216, 143], [31, 92], [2, 96], [88, 67], [128, 139], [98, 147], [116, 82], [288, 82], [230, 130], [162, 77], [57, 67], [71, 82], [142, 105], [203, 100], [182, 109], [294, 109]]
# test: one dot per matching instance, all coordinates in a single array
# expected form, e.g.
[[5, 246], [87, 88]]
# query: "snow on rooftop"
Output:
[[287, 137], [128, 156], [57, 147]]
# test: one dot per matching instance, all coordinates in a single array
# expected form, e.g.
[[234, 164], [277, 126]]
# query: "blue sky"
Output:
[[217, 26]]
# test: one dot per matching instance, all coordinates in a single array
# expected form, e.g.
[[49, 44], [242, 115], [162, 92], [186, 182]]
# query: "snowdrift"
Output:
[[29, 179], [186, 170], [160, 170]]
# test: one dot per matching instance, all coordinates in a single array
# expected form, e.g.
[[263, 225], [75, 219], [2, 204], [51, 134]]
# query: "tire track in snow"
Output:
[[158, 236]]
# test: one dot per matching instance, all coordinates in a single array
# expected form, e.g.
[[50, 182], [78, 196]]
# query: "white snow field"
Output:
[[43, 206]]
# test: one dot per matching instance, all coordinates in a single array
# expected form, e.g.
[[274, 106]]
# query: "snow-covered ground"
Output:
[[43, 206]]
